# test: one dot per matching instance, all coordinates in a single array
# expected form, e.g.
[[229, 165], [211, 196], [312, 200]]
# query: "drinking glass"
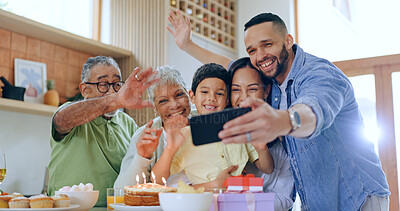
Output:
[[114, 195], [2, 167]]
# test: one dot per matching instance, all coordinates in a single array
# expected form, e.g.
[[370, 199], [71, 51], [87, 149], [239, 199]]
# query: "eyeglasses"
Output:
[[103, 87]]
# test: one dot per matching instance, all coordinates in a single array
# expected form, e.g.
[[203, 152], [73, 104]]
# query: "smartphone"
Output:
[[205, 128]]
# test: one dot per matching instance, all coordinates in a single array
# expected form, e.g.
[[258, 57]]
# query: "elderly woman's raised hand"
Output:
[[181, 31], [175, 137], [130, 95], [148, 141]]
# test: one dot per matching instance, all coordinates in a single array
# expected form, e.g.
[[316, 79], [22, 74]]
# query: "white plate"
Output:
[[123, 207], [71, 206]]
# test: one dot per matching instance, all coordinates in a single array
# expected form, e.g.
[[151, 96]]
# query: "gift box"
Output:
[[243, 201], [244, 183]]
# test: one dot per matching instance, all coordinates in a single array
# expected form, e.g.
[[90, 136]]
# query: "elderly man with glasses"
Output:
[[89, 138]]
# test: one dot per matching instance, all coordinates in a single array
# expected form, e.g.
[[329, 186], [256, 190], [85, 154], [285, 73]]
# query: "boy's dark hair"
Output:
[[211, 70], [279, 24], [245, 62]]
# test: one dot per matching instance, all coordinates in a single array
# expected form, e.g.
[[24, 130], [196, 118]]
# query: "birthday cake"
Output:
[[144, 194]]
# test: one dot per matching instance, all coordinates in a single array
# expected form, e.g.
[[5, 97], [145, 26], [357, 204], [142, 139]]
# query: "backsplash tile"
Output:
[[4, 58], [48, 50], [18, 42], [5, 39], [33, 47]]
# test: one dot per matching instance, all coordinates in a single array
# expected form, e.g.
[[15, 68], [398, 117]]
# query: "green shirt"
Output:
[[90, 153]]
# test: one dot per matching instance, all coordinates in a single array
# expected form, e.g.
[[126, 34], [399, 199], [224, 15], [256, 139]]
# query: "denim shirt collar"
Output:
[[298, 61]]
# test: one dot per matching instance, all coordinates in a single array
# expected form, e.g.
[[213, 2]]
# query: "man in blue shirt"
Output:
[[314, 108]]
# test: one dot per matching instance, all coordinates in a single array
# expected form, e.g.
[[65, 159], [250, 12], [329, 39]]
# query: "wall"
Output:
[[187, 64], [63, 65], [25, 139], [139, 26]]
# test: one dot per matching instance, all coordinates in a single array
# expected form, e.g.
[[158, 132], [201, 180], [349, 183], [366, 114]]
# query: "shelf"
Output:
[[25, 107], [214, 20], [41, 31]]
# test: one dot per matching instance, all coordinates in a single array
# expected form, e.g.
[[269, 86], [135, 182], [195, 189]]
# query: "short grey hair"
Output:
[[93, 61], [168, 75]]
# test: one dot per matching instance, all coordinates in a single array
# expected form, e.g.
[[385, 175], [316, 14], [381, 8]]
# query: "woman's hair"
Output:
[[245, 62], [167, 75], [93, 61]]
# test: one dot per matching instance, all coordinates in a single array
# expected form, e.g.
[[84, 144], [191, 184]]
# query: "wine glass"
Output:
[[2, 167]]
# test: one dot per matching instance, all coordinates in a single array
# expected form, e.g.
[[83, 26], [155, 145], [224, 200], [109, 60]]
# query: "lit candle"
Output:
[[144, 177], [153, 176], [165, 182], [137, 179]]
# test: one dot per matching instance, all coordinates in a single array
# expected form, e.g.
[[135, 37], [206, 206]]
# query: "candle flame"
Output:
[[153, 176], [164, 181], [144, 177]]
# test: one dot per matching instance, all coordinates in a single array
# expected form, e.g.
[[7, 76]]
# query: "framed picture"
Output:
[[32, 76]]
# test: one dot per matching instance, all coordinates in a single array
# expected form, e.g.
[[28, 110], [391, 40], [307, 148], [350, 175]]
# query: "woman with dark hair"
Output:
[[247, 81]]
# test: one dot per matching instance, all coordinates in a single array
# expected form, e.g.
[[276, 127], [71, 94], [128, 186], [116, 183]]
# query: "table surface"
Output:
[[99, 209]]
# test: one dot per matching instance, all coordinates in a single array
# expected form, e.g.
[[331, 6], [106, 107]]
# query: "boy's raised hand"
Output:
[[181, 29]]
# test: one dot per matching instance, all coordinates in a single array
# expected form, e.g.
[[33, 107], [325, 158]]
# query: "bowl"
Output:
[[185, 201], [85, 199]]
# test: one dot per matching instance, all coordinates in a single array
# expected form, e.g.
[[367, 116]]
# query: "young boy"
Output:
[[203, 164]]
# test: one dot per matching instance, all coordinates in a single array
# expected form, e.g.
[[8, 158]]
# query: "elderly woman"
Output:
[[170, 100], [249, 82]]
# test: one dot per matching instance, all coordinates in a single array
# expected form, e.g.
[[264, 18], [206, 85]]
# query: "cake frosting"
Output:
[[144, 194], [148, 187]]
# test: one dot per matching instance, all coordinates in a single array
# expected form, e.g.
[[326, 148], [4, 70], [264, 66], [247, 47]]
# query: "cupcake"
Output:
[[15, 194], [41, 201], [4, 199], [61, 200], [19, 202]]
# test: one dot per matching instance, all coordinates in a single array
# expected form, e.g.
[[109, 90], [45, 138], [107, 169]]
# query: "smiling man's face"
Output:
[[267, 49]]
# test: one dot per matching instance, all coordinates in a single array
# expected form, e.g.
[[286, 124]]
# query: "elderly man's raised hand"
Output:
[[148, 141], [130, 95], [262, 125], [181, 29]]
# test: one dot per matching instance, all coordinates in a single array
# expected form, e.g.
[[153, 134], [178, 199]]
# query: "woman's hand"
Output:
[[181, 30], [173, 127], [148, 141]]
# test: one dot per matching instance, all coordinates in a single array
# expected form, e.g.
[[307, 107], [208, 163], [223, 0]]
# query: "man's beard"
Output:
[[282, 61]]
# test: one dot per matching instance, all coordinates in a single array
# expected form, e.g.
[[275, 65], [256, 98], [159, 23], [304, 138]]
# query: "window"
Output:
[[348, 29], [364, 90], [75, 16], [396, 112]]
